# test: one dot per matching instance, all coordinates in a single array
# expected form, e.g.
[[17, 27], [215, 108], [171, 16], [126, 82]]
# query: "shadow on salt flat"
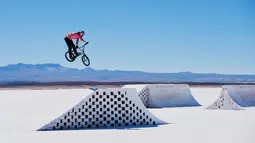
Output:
[[111, 128]]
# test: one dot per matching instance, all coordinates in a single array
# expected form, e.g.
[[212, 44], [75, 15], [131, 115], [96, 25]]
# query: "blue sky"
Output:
[[150, 35]]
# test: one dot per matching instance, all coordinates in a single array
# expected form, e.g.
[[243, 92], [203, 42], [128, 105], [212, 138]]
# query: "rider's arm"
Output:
[[83, 40], [77, 41]]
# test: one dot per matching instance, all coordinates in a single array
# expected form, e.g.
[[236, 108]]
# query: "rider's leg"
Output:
[[69, 44], [74, 49]]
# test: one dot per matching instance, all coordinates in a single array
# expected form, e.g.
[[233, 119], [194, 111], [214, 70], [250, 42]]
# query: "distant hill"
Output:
[[56, 73]]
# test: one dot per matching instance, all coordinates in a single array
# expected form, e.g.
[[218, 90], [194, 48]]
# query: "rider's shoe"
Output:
[[78, 54]]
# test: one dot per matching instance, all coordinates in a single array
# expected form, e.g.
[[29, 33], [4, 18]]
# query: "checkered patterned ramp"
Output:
[[106, 108]]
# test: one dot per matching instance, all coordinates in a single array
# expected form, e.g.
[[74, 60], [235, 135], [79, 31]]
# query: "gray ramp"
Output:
[[234, 97]]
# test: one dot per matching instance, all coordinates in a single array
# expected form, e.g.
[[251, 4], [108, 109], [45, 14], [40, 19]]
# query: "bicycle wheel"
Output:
[[68, 58], [85, 60]]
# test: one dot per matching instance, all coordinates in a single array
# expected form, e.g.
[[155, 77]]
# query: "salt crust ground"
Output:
[[24, 111]]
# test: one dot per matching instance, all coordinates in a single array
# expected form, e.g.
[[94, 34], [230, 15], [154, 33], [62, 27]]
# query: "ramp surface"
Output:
[[170, 95]]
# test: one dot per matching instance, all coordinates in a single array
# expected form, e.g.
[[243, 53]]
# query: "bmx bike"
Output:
[[84, 58]]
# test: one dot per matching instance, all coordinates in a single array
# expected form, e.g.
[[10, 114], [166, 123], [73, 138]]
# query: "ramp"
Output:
[[106, 108], [235, 97], [165, 95], [170, 95]]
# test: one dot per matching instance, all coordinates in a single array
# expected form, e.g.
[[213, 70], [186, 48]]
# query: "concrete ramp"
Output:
[[165, 95], [234, 97], [106, 108], [170, 95]]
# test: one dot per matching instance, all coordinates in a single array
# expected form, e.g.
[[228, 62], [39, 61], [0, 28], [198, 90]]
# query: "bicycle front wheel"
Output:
[[85, 60]]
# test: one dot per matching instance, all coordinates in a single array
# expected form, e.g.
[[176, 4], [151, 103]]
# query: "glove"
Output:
[[76, 47]]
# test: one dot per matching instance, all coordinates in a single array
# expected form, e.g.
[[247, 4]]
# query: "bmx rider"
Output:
[[69, 41]]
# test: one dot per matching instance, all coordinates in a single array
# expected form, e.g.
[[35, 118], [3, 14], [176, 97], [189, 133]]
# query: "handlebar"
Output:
[[85, 43], [83, 46]]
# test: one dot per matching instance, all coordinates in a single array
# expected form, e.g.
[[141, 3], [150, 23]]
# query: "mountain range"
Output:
[[57, 73]]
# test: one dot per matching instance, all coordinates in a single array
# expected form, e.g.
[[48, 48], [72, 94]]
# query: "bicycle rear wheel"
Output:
[[85, 60], [68, 57]]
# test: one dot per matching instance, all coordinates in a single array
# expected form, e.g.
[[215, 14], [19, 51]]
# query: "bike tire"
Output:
[[85, 60], [68, 58]]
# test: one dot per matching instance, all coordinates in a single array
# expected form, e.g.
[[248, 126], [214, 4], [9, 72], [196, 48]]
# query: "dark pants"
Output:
[[71, 46]]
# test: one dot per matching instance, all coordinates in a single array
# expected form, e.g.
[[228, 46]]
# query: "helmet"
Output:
[[82, 33]]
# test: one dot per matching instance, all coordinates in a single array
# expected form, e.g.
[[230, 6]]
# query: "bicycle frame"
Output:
[[84, 57], [82, 48]]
